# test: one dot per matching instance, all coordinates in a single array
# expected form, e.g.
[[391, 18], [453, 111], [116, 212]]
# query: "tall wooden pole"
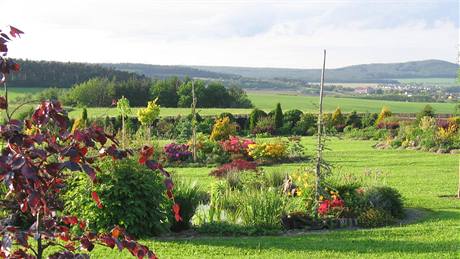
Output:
[[320, 133], [458, 192], [193, 122]]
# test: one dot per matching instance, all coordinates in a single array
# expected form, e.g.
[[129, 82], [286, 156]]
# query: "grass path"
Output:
[[420, 177]]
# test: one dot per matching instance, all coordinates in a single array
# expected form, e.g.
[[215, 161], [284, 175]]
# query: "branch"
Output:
[[19, 106]]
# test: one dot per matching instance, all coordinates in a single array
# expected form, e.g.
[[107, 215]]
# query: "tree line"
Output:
[[62, 75], [171, 92]]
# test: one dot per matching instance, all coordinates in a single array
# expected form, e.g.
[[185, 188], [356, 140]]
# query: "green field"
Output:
[[430, 81], [267, 101], [422, 178], [15, 92]]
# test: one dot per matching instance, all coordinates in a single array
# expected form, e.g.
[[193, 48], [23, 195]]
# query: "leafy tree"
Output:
[[278, 117], [148, 115], [137, 91], [185, 94], [216, 96], [166, 91], [239, 98], [96, 92]]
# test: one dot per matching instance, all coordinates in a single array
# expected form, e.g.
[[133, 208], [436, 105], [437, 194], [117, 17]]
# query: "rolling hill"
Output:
[[357, 73]]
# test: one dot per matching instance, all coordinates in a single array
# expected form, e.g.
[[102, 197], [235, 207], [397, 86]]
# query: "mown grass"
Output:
[[421, 178]]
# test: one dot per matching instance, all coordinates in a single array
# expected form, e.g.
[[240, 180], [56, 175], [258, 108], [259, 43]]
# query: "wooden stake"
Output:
[[320, 132], [193, 122], [458, 191]]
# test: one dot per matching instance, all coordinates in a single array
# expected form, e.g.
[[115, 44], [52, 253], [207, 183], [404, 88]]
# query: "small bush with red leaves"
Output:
[[177, 152], [234, 166]]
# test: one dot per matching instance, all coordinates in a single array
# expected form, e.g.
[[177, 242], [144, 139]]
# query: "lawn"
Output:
[[421, 178]]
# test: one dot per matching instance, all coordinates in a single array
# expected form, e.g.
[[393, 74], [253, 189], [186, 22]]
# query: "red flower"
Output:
[[337, 202], [324, 207]]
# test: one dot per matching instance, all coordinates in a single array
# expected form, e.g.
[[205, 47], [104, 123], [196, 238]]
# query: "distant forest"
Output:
[[62, 75]]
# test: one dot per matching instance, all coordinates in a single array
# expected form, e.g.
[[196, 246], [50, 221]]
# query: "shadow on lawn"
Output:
[[404, 239]]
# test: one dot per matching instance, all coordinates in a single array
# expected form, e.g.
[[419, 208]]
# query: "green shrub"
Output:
[[254, 117], [353, 120], [369, 119], [291, 118], [306, 126], [188, 195], [132, 196], [375, 218], [387, 199], [226, 114], [354, 199], [278, 117], [265, 125]]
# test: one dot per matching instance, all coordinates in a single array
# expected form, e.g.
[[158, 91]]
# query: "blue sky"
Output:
[[235, 33]]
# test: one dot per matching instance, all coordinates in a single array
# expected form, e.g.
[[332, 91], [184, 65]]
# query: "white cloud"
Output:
[[234, 33]]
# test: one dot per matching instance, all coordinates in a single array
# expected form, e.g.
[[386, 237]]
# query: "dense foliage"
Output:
[[133, 197]]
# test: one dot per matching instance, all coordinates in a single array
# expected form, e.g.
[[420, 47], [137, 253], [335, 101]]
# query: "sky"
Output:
[[286, 33]]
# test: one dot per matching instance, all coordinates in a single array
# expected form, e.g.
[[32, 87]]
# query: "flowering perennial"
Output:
[[177, 152]]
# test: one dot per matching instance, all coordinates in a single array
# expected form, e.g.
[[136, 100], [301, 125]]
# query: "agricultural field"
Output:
[[15, 92], [424, 179], [266, 101], [430, 81]]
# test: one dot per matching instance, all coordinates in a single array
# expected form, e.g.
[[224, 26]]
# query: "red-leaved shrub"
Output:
[[234, 166]]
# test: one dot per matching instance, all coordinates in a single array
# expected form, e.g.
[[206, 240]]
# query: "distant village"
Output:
[[409, 90]]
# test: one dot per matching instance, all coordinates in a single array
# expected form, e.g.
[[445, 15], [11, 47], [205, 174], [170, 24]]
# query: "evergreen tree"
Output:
[[278, 117]]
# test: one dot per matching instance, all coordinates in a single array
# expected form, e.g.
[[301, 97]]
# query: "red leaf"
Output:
[[3, 103], [15, 32], [176, 210], [146, 153], [23, 206], [108, 241], [70, 220], [86, 244], [116, 232], [96, 199], [82, 224]]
